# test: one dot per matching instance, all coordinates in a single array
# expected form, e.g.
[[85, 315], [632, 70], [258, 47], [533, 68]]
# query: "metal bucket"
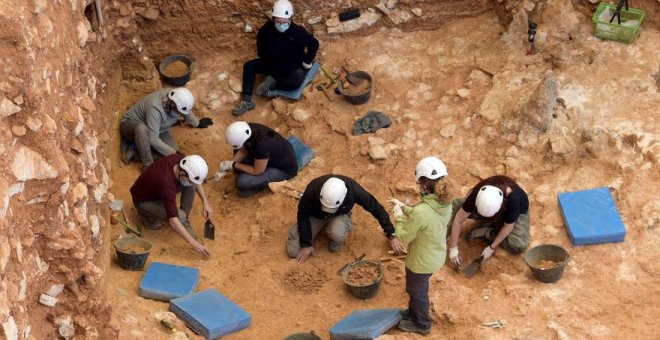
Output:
[[369, 290], [132, 253], [357, 99], [547, 252], [181, 79]]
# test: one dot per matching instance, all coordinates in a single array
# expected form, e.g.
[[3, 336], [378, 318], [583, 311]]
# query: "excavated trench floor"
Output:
[[607, 290]]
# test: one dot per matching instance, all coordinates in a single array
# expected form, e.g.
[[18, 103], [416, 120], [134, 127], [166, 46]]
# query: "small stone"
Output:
[[315, 20], [301, 115], [377, 152], [47, 300], [235, 84], [18, 100], [83, 34], [55, 290], [10, 329], [18, 130], [391, 3], [123, 23], [448, 130], [124, 10], [7, 107], [66, 329], [417, 11], [332, 22], [149, 14], [279, 106], [247, 28], [375, 141], [486, 297], [87, 103], [463, 93]]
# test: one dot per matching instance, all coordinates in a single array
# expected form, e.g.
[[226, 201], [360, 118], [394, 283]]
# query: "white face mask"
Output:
[[329, 210]]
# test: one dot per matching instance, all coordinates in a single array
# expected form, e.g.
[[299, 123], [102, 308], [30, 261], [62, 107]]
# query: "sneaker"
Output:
[[405, 314], [334, 246], [481, 232], [409, 326], [264, 88], [243, 107], [127, 151], [151, 223]]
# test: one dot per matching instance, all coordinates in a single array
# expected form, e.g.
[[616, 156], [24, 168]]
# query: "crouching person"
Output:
[[154, 194], [423, 228]]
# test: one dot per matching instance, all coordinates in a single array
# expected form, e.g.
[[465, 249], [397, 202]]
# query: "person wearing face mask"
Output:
[[148, 122], [423, 228], [154, 194], [285, 52], [326, 204]]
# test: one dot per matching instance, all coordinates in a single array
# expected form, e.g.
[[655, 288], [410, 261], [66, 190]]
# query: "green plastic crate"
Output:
[[614, 31]]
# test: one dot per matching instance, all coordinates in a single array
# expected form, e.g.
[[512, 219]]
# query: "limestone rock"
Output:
[[79, 192], [390, 4], [94, 226], [332, 22], [10, 329], [235, 85], [82, 32], [417, 11], [301, 115], [279, 106], [5, 253], [512, 39], [18, 130], [365, 20], [448, 131], [87, 103], [315, 20], [38, 6], [7, 107], [29, 165], [34, 124], [149, 13], [66, 327], [561, 144], [47, 300], [541, 106], [377, 152], [463, 93], [373, 141], [4, 201], [564, 14]]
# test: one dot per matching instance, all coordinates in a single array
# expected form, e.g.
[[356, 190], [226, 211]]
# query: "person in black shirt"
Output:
[[504, 205], [327, 203], [261, 156], [285, 52]]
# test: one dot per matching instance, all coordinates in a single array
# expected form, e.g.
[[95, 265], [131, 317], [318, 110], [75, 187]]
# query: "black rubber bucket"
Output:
[[547, 252], [179, 79], [369, 290], [359, 98], [132, 253]]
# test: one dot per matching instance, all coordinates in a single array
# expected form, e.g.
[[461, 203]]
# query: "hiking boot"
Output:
[[127, 151], [243, 107], [481, 232], [409, 326], [405, 314], [334, 246], [264, 88]]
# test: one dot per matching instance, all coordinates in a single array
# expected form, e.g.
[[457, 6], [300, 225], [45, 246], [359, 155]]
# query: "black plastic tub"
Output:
[[179, 80], [369, 290], [132, 253], [547, 252], [357, 99]]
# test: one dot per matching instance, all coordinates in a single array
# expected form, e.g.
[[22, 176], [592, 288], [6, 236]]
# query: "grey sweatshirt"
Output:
[[149, 111]]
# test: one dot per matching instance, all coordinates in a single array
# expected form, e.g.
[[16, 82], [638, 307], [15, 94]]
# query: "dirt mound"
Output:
[[304, 280]]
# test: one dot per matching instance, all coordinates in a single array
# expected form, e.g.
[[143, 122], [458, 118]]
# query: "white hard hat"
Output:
[[333, 193], [489, 200], [431, 168], [196, 168], [282, 9], [237, 133], [183, 99]]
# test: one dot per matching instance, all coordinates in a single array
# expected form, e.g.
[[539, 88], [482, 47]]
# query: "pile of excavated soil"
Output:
[[176, 69], [547, 264], [362, 275], [361, 87], [305, 281]]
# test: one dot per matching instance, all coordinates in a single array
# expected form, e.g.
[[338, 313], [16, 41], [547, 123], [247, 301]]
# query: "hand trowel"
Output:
[[346, 267], [473, 268], [209, 230]]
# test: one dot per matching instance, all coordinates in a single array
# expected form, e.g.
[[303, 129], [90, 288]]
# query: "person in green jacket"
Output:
[[423, 228]]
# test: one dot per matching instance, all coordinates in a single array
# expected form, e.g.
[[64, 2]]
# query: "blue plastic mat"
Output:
[[210, 314], [304, 154], [591, 217], [295, 94], [164, 281], [365, 324]]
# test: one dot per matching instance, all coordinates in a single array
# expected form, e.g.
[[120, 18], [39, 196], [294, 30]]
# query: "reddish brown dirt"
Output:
[[362, 275], [417, 75], [176, 69]]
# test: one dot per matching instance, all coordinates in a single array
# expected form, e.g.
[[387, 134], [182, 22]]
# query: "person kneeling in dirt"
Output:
[[148, 122], [154, 194], [285, 52], [424, 228], [261, 156], [503, 204], [327, 203]]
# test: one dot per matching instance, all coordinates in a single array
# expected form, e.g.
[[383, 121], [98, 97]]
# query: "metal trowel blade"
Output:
[[209, 230]]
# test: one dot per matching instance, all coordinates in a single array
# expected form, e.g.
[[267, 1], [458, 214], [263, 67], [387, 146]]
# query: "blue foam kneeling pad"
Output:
[[164, 281], [304, 154], [295, 94], [210, 314], [365, 324], [591, 217]]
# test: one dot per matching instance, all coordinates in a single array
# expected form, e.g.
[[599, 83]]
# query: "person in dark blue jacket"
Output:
[[285, 52]]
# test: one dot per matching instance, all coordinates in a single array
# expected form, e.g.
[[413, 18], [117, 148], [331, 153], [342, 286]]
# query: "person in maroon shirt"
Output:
[[154, 194]]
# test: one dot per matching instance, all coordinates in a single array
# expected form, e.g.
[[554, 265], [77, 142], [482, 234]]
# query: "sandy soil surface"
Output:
[[607, 120]]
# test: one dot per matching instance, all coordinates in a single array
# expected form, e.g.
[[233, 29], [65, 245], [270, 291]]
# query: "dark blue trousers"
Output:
[[417, 287]]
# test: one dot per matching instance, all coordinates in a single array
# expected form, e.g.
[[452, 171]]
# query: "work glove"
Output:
[[204, 123], [307, 66], [488, 252], [219, 175], [455, 257], [396, 211], [226, 166]]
